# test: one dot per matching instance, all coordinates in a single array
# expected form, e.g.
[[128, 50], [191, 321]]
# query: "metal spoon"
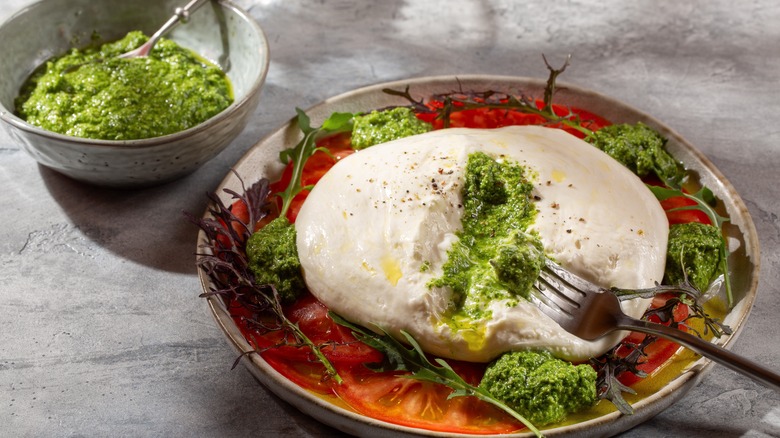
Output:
[[181, 15]]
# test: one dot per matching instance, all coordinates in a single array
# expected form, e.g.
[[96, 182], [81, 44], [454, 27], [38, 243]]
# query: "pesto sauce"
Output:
[[639, 148], [540, 387], [90, 93], [693, 252], [383, 126], [495, 258], [273, 258]]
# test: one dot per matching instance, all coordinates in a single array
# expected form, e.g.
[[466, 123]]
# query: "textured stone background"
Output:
[[101, 330]]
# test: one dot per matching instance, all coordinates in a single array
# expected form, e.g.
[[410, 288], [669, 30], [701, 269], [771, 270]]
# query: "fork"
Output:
[[590, 312]]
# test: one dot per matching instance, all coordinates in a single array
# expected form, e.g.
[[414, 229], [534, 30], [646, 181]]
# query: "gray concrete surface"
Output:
[[101, 329]]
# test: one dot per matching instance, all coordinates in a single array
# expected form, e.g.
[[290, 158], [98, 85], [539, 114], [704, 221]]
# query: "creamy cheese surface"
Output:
[[376, 228]]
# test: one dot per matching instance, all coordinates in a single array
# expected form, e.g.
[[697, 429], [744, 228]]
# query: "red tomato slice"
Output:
[[680, 216], [239, 209], [316, 166], [311, 316], [487, 118], [659, 351], [340, 347], [306, 374], [298, 364], [683, 216], [395, 399]]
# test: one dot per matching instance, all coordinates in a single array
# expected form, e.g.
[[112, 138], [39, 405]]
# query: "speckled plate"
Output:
[[262, 161]]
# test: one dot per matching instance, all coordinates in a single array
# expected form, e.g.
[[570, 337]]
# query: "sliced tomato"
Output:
[[679, 216], [393, 398], [587, 119], [338, 343], [338, 147], [659, 351], [683, 216], [298, 363], [487, 118], [239, 209], [306, 374]]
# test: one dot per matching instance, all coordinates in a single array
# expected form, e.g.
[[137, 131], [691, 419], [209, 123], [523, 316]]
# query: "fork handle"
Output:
[[707, 349]]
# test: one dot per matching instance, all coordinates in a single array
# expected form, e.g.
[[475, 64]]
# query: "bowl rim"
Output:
[[10, 118]]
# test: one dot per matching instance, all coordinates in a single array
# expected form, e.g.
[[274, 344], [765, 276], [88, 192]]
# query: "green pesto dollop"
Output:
[[693, 251], [640, 148], [383, 126], [273, 258], [495, 258], [540, 387], [90, 93]]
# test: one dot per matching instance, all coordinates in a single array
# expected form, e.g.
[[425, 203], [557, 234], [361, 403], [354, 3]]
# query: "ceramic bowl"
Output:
[[219, 31]]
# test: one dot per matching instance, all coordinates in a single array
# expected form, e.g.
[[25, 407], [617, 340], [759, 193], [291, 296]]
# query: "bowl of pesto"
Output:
[[75, 107]]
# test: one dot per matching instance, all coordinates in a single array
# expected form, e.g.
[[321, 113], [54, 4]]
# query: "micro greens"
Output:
[[337, 122], [468, 100], [611, 365], [398, 357], [225, 263]]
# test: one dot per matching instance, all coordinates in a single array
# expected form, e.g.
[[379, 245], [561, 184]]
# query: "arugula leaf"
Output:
[[703, 199], [399, 357], [336, 122]]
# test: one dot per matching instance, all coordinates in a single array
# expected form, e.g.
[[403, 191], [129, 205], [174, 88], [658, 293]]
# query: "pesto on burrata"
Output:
[[91, 93], [376, 233]]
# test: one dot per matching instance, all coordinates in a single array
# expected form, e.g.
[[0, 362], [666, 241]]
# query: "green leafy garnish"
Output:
[[549, 90], [704, 198], [226, 263], [611, 364], [337, 122], [228, 266], [399, 357], [468, 100]]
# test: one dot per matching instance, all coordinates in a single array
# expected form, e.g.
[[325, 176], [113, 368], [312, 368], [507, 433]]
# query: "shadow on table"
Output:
[[146, 226]]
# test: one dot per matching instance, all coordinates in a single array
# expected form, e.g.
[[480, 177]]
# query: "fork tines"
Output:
[[559, 291]]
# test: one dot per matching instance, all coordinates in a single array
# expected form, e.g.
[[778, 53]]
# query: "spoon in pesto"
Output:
[[181, 15]]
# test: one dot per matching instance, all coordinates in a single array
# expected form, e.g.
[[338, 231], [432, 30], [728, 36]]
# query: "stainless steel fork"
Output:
[[590, 312]]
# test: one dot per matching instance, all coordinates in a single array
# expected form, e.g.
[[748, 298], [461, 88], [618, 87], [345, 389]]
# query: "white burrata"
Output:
[[376, 229]]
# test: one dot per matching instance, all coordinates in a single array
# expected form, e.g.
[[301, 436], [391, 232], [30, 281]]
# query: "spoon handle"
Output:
[[180, 15]]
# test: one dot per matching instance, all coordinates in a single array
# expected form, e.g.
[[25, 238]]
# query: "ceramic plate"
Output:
[[262, 161]]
